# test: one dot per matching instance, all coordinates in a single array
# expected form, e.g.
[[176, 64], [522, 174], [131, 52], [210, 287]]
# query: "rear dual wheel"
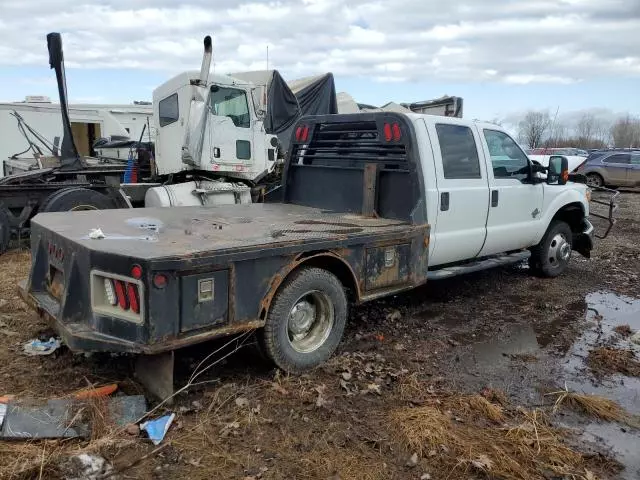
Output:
[[76, 199], [306, 320]]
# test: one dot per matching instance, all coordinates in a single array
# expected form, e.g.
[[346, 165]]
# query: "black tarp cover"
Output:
[[317, 96]]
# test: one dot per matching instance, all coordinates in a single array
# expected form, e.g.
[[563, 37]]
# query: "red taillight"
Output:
[[396, 132], [136, 272], [302, 133], [160, 280], [387, 132], [132, 295], [121, 294]]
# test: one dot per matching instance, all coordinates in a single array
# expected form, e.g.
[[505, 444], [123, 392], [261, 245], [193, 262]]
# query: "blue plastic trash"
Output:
[[157, 429]]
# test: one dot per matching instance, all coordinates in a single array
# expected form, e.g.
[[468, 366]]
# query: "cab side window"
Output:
[[459, 152], [507, 158]]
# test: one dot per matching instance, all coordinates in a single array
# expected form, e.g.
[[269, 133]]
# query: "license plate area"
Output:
[[55, 283]]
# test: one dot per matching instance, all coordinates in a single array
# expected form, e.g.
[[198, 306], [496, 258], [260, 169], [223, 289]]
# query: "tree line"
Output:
[[538, 129]]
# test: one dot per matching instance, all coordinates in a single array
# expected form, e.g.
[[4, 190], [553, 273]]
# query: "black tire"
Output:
[[5, 231], [595, 180], [308, 287], [551, 256], [77, 198]]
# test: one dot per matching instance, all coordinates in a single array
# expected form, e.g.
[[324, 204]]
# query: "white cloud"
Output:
[[515, 42]]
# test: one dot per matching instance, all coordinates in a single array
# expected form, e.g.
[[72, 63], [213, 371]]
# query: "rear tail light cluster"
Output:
[[302, 133], [118, 296], [122, 294], [392, 132]]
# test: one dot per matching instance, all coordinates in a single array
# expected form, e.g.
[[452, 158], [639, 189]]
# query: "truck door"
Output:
[[463, 193], [516, 201], [231, 143]]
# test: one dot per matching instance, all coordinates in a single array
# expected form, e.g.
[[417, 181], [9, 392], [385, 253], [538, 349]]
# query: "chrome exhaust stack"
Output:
[[206, 62]]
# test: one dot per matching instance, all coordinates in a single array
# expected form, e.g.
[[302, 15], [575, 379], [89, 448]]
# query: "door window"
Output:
[[635, 159], [459, 153], [507, 158], [617, 158], [232, 103]]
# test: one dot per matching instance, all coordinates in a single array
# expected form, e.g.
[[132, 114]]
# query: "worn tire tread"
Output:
[[281, 305]]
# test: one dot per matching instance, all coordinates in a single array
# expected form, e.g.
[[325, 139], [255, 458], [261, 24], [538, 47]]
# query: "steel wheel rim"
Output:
[[310, 321], [559, 250], [593, 181]]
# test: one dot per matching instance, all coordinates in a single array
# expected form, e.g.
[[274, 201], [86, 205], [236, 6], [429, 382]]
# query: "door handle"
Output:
[[444, 201], [494, 198]]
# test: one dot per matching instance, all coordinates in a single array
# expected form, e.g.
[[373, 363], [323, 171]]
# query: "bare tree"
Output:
[[557, 135], [626, 132], [586, 128], [532, 128]]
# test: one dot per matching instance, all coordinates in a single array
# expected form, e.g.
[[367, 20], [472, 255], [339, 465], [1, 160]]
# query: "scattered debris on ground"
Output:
[[605, 360], [465, 352]]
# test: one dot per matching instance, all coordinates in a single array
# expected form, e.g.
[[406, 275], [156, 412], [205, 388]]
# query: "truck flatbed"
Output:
[[154, 233]]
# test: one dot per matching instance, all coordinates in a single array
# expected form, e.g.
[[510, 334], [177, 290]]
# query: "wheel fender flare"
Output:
[[299, 261], [569, 198]]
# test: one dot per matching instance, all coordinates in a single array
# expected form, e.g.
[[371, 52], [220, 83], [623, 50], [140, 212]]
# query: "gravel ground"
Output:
[[502, 330]]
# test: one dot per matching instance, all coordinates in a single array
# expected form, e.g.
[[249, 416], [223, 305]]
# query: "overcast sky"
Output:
[[501, 56]]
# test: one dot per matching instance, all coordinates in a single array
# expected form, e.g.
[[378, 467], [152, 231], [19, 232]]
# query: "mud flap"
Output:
[[155, 372]]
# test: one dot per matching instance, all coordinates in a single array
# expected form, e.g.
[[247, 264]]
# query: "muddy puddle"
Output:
[[527, 360]]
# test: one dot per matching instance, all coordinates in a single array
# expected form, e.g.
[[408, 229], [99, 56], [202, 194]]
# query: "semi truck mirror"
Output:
[[558, 170]]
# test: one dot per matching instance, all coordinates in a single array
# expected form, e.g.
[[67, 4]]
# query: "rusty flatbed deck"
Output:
[[174, 232]]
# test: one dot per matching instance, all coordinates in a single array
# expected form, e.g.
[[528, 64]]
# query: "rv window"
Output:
[[232, 103], [168, 110]]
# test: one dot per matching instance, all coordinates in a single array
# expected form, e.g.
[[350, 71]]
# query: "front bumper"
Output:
[[610, 205], [583, 242]]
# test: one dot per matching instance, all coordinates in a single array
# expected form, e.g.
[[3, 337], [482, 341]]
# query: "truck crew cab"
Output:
[[372, 204]]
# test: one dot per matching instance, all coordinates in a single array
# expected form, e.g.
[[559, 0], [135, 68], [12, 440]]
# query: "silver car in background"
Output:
[[612, 169]]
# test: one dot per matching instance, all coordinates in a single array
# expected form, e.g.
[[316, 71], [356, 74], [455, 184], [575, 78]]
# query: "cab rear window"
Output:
[[459, 152], [168, 110]]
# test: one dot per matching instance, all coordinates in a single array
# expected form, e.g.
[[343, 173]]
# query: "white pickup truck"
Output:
[[371, 204]]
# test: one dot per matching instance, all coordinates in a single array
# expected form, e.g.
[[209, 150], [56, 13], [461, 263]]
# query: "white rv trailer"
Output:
[[88, 122]]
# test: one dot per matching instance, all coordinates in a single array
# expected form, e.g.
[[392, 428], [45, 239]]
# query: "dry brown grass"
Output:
[[477, 405], [527, 448], [613, 360], [593, 405], [495, 396], [623, 330]]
